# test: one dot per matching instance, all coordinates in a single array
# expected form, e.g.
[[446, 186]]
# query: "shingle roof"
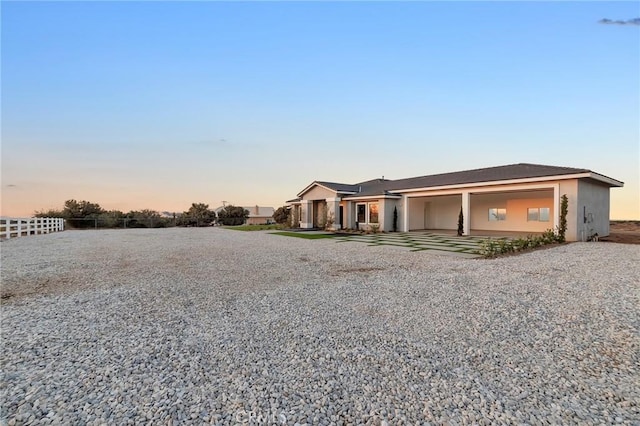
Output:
[[339, 187], [378, 187], [489, 174]]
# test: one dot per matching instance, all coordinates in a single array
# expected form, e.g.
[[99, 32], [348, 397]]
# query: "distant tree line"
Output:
[[84, 214]]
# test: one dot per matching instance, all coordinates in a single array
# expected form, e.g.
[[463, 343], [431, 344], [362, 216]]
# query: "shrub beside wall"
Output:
[[495, 247]]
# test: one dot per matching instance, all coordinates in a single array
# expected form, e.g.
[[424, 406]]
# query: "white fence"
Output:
[[21, 227]]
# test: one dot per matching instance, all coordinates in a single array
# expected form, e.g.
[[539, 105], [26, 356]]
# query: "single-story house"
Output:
[[257, 215], [260, 215], [513, 198]]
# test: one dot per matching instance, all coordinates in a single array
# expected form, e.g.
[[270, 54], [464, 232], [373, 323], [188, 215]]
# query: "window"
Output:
[[367, 213], [497, 214], [538, 214], [361, 216], [373, 212], [544, 214]]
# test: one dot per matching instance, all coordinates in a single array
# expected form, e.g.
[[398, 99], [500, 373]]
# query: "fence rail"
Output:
[[22, 227]]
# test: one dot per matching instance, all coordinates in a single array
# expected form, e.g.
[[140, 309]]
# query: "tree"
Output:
[[282, 214], [232, 215], [564, 209], [112, 219], [460, 223], [83, 209], [395, 219], [198, 215], [144, 219], [49, 213]]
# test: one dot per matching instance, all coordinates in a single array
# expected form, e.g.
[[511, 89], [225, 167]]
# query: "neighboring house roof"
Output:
[[257, 211], [385, 187]]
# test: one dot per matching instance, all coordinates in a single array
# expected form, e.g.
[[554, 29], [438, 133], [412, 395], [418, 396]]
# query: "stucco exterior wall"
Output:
[[259, 220], [416, 213], [516, 205], [593, 202], [570, 189], [442, 212], [320, 213], [387, 211], [318, 193], [439, 212]]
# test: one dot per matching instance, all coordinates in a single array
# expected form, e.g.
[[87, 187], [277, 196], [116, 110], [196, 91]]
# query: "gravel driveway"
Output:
[[212, 325]]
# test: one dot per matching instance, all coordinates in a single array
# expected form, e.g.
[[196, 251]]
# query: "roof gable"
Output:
[[343, 188]]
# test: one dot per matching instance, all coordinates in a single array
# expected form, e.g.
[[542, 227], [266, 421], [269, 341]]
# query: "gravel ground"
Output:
[[210, 325]]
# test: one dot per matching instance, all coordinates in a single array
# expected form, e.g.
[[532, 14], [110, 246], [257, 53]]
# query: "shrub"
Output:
[[549, 237], [564, 209], [282, 215], [395, 219], [232, 215], [493, 248]]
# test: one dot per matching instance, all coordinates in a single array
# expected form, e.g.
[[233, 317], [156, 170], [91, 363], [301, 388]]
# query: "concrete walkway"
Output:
[[418, 241]]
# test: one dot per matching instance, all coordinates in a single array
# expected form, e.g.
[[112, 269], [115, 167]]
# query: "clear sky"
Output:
[[157, 105]]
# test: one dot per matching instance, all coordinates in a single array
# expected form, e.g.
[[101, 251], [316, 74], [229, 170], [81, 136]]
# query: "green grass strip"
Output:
[[253, 227]]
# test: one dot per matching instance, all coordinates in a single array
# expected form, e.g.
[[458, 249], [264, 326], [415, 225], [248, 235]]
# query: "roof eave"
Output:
[[591, 175], [372, 196]]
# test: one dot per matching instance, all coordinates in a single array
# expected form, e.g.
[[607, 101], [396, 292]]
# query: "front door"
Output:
[[341, 217]]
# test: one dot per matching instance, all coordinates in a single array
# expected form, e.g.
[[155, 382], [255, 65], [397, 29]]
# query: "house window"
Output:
[[361, 216], [373, 212], [496, 214], [538, 214]]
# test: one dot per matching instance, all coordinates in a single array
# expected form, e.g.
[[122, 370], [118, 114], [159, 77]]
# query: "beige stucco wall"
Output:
[[416, 213], [570, 189], [443, 212], [517, 205], [318, 193], [320, 213], [594, 199], [258, 220], [386, 212], [439, 212]]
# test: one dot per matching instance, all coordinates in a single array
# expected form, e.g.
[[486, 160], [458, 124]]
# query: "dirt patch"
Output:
[[623, 231]]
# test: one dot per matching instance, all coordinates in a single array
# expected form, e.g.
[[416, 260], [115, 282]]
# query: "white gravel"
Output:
[[215, 326]]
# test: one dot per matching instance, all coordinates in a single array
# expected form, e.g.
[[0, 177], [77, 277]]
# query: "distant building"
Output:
[[257, 215]]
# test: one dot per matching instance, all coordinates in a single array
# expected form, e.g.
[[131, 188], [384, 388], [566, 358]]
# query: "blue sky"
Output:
[[161, 104]]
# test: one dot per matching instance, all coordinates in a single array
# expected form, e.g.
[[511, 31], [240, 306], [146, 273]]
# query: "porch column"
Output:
[[405, 213], [306, 214], [348, 215], [466, 213], [333, 213]]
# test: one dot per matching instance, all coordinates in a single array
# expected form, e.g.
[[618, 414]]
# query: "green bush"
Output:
[[564, 209], [493, 248]]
